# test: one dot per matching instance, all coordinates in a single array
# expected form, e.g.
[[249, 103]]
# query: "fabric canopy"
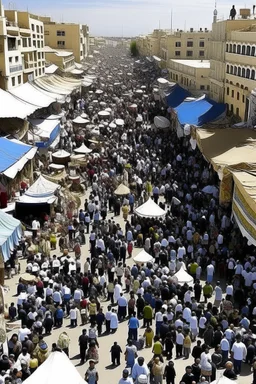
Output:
[[10, 234], [14, 155], [182, 277], [122, 190], [150, 209], [224, 380], [176, 95], [83, 149], [244, 203], [143, 257], [12, 107], [161, 122], [57, 368], [42, 191], [80, 120], [31, 95], [61, 154], [200, 111], [44, 127]]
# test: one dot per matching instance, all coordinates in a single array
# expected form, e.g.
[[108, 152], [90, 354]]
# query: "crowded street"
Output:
[[144, 263]]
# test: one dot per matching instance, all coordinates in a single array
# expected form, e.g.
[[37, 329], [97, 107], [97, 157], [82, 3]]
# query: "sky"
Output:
[[129, 17]]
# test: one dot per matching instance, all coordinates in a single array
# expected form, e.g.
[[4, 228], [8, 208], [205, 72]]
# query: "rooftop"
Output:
[[194, 63]]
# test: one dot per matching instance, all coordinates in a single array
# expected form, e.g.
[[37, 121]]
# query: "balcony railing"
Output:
[[15, 68], [11, 24]]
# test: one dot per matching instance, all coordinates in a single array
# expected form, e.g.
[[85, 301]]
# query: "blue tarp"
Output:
[[53, 136], [199, 112], [176, 96], [11, 151], [10, 234]]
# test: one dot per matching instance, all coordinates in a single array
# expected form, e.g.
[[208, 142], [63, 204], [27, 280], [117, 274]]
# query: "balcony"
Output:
[[15, 68], [28, 68]]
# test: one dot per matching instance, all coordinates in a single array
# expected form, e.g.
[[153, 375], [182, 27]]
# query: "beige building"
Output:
[[67, 37], [149, 45], [223, 32], [192, 75], [63, 59], [21, 46]]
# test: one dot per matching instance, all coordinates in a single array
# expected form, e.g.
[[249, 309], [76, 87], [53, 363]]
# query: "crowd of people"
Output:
[[213, 322]]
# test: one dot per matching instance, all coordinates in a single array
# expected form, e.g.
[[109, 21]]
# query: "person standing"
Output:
[[113, 321], [83, 344], [108, 319], [91, 375], [158, 370], [115, 353], [147, 315], [125, 378], [218, 295], [238, 352], [170, 373], [133, 325]]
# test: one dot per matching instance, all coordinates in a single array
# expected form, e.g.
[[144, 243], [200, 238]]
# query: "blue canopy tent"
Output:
[[199, 112], [13, 156], [176, 95], [10, 234]]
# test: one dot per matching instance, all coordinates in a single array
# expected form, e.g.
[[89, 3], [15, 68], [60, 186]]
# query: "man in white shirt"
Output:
[[57, 296], [218, 294], [23, 332], [224, 345], [122, 307], [210, 272], [140, 368], [73, 316], [78, 294], [202, 326], [194, 325], [179, 343], [238, 352]]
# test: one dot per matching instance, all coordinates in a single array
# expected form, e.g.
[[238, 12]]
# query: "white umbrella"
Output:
[[133, 106], [99, 92], [103, 104], [143, 257], [84, 115], [143, 87], [95, 101], [108, 109], [139, 119], [122, 190], [83, 149], [150, 209], [119, 122], [210, 189], [161, 122], [61, 154], [139, 91], [56, 166], [103, 113], [112, 125], [80, 120]]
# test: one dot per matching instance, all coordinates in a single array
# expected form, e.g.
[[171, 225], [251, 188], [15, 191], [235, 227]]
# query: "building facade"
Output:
[[192, 75], [66, 36], [21, 48]]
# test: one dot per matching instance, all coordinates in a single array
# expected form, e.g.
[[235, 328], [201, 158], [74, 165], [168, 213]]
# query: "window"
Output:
[[201, 53], [61, 43], [13, 81], [41, 29], [37, 29], [16, 59], [40, 72], [189, 53], [231, 69], [234, 48], [235, 70], [177, 53], [202, 87], [243, 72], [237, 95], [239, 71], [253, 74], [227, 68], [248, 50], [201, 44], [226, 47], [47, 33], [231, 108], [227, 91], [248, 73], [177, 78], [10, 59], [238, 49], [237, 111], [39, 55], [32, 27], [61, 33], [243, 50], [19, 79], [232, 93], [178, 44], [208, 87], [230, 48], [189, 43], [29, 42], [253, 51], [36, 72], [243, 98]]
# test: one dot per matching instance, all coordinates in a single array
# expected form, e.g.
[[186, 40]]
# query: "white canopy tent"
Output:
[[122, 190], [61, 154], [143, 257], [83, 149], [13, 107], [31, 95], [182, 277], [80, 120], [44, 128], [56, 369], [224, 380], [42, 191], [150, 209], [10, 234]]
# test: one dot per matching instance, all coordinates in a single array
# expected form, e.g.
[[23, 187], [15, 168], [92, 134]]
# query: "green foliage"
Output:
[[134, 49]]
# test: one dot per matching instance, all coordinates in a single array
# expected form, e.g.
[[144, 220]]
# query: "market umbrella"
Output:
[[122, 190], [161, 122], [103, 113], [98, 92], [139, 119], [80, 120], [108, 109], [83, 149], [119, 122], [84, 115], [112, 125], [182, 277], [143, 257], [210, 189]]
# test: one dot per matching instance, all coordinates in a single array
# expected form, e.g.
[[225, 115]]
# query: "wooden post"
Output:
[[1, 270]]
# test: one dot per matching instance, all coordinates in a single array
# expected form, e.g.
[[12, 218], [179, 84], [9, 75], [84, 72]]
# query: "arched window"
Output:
[[231, 69], [239, 71], [238, 50], [248, 73], [253, 51], [226, 47], [235, 70], [248, 50], [253, 74], [234, 48], [227, 68], [230, 48], [243, 50], [243, 72]]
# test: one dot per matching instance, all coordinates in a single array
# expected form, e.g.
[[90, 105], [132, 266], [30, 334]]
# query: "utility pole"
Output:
[[171, 20]]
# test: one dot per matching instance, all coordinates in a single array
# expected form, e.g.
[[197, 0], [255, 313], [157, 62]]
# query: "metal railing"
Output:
[[15, 68], [11, 24]]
